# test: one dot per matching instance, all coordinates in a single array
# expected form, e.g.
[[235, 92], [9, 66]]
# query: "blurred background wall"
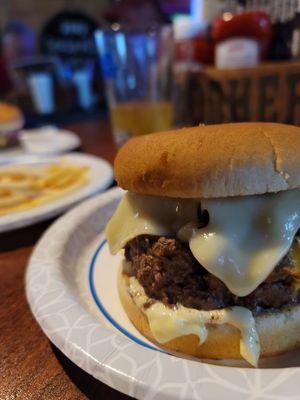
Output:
[[232, 60], [35, 13]]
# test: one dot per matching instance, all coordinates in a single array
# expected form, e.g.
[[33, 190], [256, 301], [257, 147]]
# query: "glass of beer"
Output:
[[136, 67]]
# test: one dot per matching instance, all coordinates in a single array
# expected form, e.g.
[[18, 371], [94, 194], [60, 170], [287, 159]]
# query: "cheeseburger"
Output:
[[209, 226]]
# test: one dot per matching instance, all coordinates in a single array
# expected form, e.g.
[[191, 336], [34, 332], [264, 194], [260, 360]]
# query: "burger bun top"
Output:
[[213, 161]]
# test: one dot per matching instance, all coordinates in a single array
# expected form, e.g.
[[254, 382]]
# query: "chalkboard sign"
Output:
[[70, 35]]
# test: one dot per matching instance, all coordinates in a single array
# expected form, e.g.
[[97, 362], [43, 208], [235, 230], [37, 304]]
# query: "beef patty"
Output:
[[168, 271]]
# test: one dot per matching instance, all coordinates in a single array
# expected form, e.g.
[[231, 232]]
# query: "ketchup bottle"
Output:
[[251, 24]]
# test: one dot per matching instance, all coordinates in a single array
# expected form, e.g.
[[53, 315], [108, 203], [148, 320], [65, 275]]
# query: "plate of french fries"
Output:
[[33, 189]]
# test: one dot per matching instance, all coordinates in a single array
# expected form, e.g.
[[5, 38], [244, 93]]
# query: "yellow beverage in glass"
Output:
[[136, 67], [139, 118]]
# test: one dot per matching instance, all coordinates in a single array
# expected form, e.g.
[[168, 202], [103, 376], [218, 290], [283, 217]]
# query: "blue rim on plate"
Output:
[[101, 307]]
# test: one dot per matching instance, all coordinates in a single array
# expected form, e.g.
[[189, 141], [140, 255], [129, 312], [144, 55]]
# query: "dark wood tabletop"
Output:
[[30, 366]]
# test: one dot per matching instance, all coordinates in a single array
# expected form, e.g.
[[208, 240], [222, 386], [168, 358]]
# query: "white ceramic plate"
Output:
[[100, 176], [71, 288], [47, 140]]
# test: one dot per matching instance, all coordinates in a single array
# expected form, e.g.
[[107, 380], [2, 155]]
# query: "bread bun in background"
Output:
[[11, 117], [11, 121]]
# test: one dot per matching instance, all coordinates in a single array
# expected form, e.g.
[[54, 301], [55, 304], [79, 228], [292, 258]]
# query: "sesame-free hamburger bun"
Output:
[[212, 161]]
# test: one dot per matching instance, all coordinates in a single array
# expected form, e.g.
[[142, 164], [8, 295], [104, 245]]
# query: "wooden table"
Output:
[[30, 366]]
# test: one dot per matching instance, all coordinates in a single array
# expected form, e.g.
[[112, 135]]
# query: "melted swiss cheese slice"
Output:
[[244, 240]]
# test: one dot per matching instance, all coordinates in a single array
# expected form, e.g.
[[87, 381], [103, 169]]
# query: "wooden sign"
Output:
[[269, 92]]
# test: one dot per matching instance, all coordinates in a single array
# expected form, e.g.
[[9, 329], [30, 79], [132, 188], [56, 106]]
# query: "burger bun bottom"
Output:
[[278, 331]]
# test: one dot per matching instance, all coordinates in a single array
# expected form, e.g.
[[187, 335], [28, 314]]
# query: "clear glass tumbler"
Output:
[[136, 67]]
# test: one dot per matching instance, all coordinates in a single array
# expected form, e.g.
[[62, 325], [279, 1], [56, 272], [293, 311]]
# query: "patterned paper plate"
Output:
[[71, 289]]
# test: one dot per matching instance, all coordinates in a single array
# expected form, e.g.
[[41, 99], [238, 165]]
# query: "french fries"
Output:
[[23, 187]]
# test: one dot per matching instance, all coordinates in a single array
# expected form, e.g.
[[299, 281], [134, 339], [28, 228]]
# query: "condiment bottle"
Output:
[[247, 36]]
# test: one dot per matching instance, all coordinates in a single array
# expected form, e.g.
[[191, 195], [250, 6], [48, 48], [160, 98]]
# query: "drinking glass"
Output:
[[136, 67]]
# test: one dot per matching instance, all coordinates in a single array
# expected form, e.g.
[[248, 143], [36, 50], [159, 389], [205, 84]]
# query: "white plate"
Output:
[[47, 140], [100, 176], [72, 292]]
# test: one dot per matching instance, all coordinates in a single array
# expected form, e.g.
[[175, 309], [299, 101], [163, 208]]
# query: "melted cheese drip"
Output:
[[168, 323], [138, 215], [245, 238]]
